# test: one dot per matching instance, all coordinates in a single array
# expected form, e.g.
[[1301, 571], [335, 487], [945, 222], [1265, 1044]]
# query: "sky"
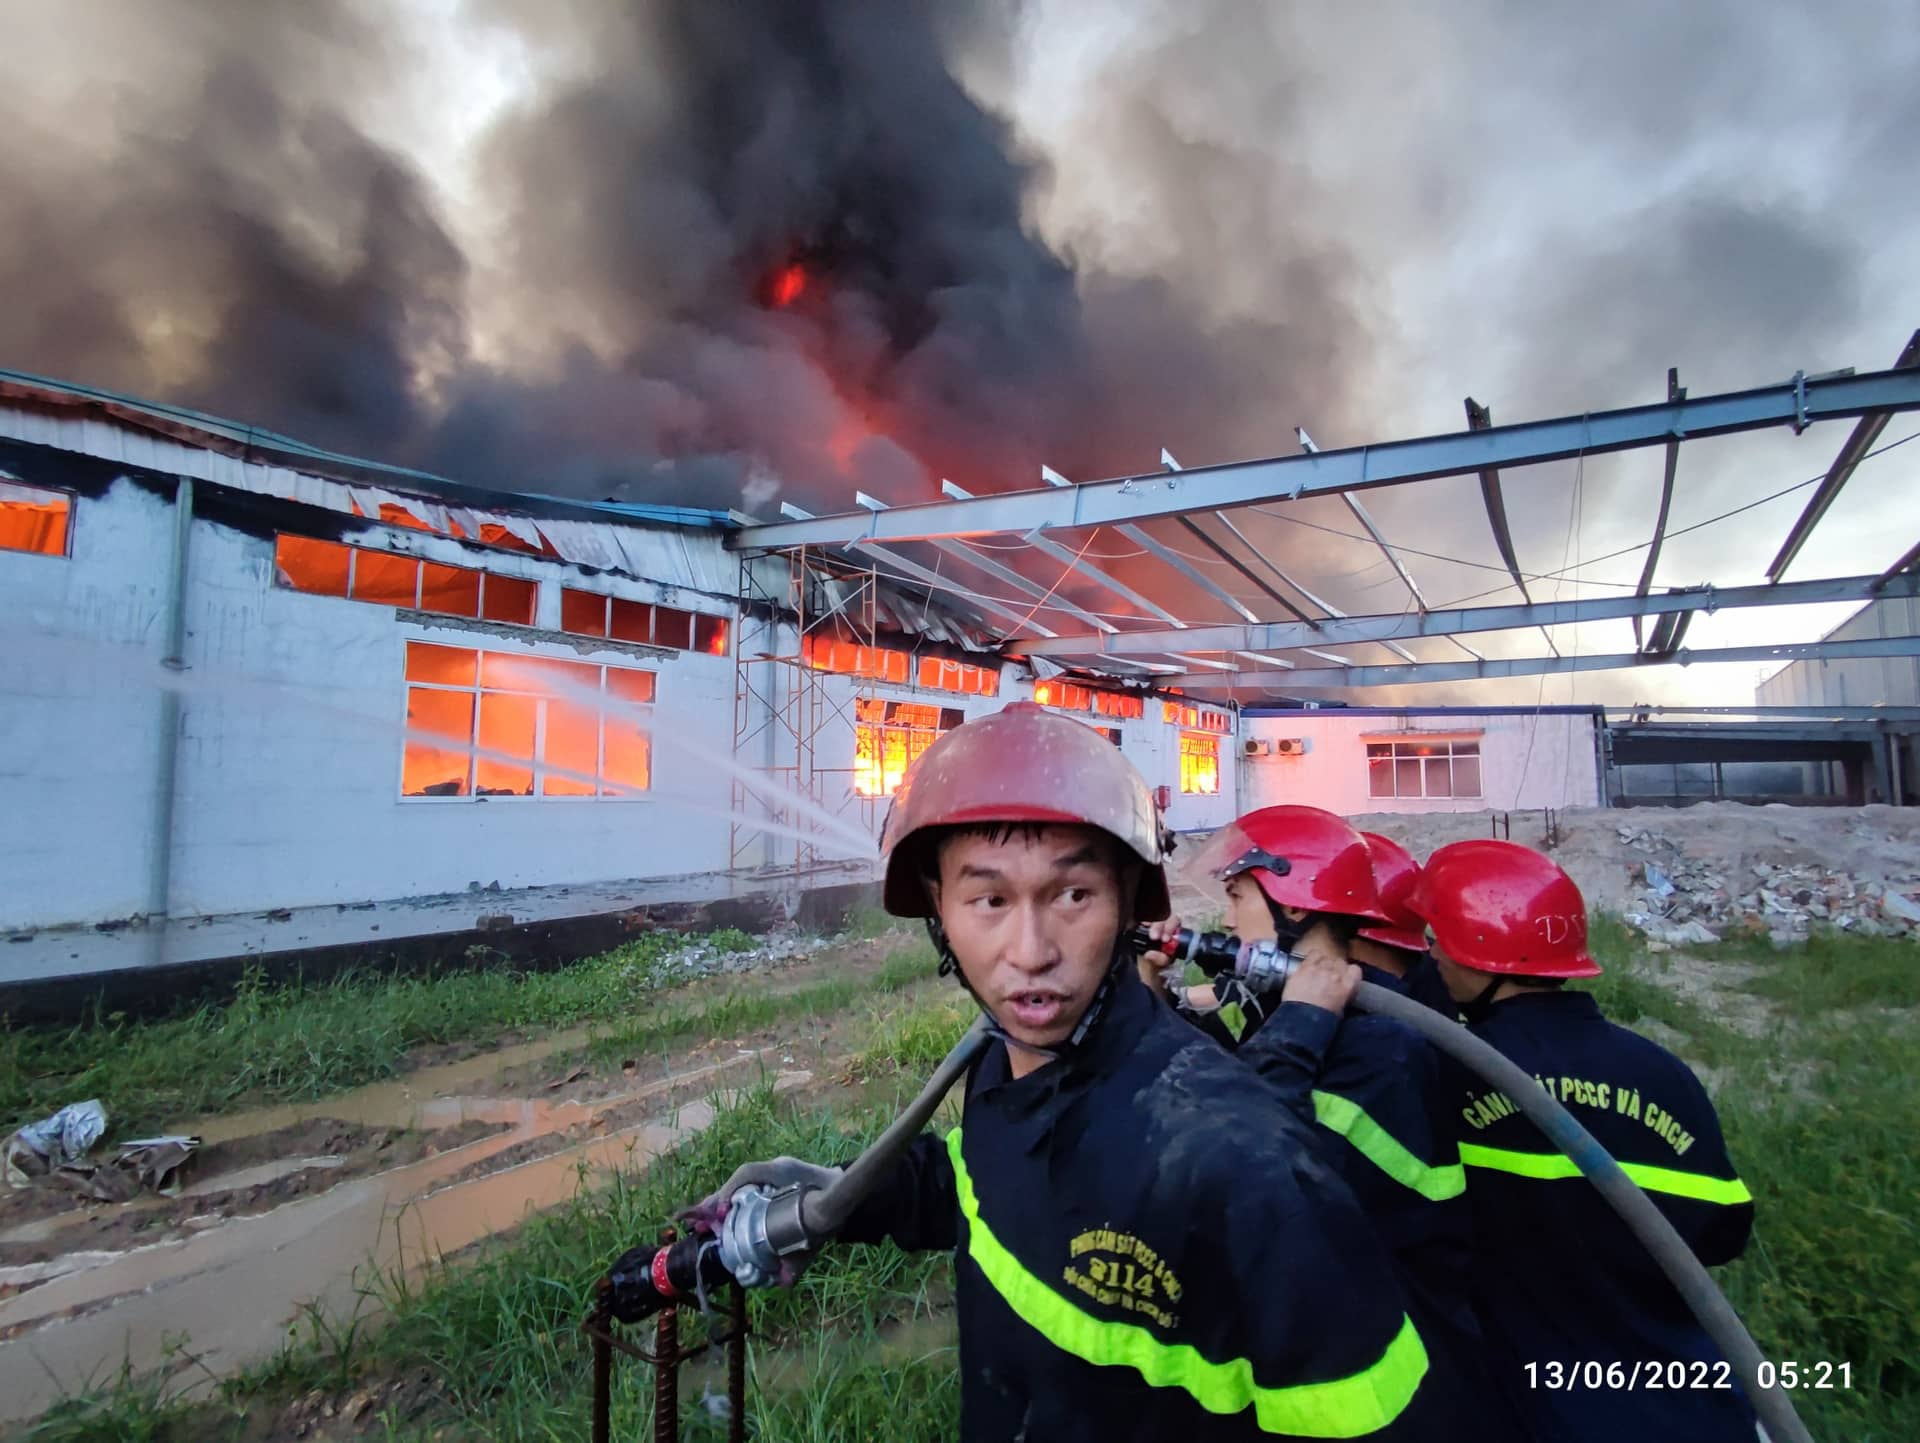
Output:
[[526, 244]]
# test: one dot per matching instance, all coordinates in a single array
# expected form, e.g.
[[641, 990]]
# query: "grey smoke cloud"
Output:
[[1136, 226]]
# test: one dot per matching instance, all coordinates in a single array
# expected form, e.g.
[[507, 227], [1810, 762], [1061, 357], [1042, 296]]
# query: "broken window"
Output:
[[34, 520], [321, 567], [630, 621], [588, 613], [1199, 764], [710, 634], [522, 726], [1070, 696], [388, 578], [584, 613], [385, 579], [889, 737], [509, 599], [454, 590]]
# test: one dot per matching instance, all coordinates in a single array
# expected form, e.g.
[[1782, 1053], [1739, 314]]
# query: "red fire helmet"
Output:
[[1022, 764], [1502, 908], [1394, 875], [1300, 856]]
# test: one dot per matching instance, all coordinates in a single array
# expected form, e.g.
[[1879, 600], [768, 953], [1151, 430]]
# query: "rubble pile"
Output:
[[1682, 900]]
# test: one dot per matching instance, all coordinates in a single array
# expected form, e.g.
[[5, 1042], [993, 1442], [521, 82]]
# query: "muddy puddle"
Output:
[[235, 1285]]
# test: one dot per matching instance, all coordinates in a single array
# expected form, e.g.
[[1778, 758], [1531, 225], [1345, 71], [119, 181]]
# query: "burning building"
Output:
[[268, 699]]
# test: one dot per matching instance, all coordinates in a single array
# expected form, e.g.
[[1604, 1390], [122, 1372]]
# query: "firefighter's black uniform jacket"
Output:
[[1424, 985], [1147, 1247], [1380, 1087], [1559, 1280]]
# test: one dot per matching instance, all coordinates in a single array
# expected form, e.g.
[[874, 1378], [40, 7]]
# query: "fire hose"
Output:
[[763, 1228], [1265, 967]]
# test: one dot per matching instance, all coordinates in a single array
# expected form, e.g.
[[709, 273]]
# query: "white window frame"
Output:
[[1456, 747], [537, 765], [72, 499]]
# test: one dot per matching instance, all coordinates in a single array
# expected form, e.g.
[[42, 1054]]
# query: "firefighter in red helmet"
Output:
[[1106, 1147], [1306, 878], [1394, 952], [1510, 930]]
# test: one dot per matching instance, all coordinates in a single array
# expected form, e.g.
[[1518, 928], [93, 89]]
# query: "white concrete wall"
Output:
[[1864, 681], [1526, 760], [288, 792], [79, 734]]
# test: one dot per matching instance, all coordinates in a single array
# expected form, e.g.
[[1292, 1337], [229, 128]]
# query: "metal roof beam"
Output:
[[1495, 668], [1675, 392], [960, 551], [1164, 553], [1902, 567], [1167, 463], [1240, 566], [1837, 713], [1134, 498], [1857, 445], [1360, 515], [1085, 568], [1480, 418], [1288, 635], [932, 579]]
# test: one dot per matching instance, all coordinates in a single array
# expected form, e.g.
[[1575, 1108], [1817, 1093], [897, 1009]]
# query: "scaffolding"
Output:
[[782, 704]]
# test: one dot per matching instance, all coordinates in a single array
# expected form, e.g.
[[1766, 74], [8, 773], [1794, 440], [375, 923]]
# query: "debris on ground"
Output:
[[38, 1148], [56, 1150], [1688, 876], [1685, 901]]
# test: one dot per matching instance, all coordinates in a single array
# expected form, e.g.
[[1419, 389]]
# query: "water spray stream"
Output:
[[206, 681]]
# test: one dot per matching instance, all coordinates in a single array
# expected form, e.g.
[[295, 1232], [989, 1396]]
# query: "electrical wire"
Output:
[[966, 593], [1593, 561], [1065, 572]]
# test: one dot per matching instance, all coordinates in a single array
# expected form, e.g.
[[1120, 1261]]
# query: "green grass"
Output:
[[749, 1008], [1820, 1115], [915, 1039], [500, 1328], [294, 1042]]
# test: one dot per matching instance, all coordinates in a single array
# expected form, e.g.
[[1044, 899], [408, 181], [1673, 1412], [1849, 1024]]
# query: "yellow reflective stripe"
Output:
[[1726, 1191], [1343, 1115], [1349, 1407]]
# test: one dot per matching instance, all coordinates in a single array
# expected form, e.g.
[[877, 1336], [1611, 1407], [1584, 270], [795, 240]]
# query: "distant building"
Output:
[[1353, 760]]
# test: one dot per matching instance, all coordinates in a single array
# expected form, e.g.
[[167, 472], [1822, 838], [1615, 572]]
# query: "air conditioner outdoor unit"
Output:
[[1290, 747], [1254, 747]]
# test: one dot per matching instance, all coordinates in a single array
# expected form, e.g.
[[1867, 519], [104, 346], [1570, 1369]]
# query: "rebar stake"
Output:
[[666, 1367], [737, 1366], [597, 1324]]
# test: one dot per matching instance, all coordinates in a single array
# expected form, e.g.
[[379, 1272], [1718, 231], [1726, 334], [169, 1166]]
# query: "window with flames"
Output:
[[522, 726], [590, 613], [34, 520], [386, 578], [1070, 696], [890, 664], [889, 737], [1199, 764]]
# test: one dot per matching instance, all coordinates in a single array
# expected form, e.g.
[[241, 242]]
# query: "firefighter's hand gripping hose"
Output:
[[1264, 966], [761, 1234]]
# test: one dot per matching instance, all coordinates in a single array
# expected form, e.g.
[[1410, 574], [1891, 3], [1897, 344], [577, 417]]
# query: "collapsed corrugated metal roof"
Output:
[[670, 545]]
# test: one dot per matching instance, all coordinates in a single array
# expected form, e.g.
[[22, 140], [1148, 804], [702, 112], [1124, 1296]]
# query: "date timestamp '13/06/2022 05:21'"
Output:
[[1677, 1374]]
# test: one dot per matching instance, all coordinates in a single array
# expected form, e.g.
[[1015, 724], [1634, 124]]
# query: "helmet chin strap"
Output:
[[1482, 1002], [950, 967]]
